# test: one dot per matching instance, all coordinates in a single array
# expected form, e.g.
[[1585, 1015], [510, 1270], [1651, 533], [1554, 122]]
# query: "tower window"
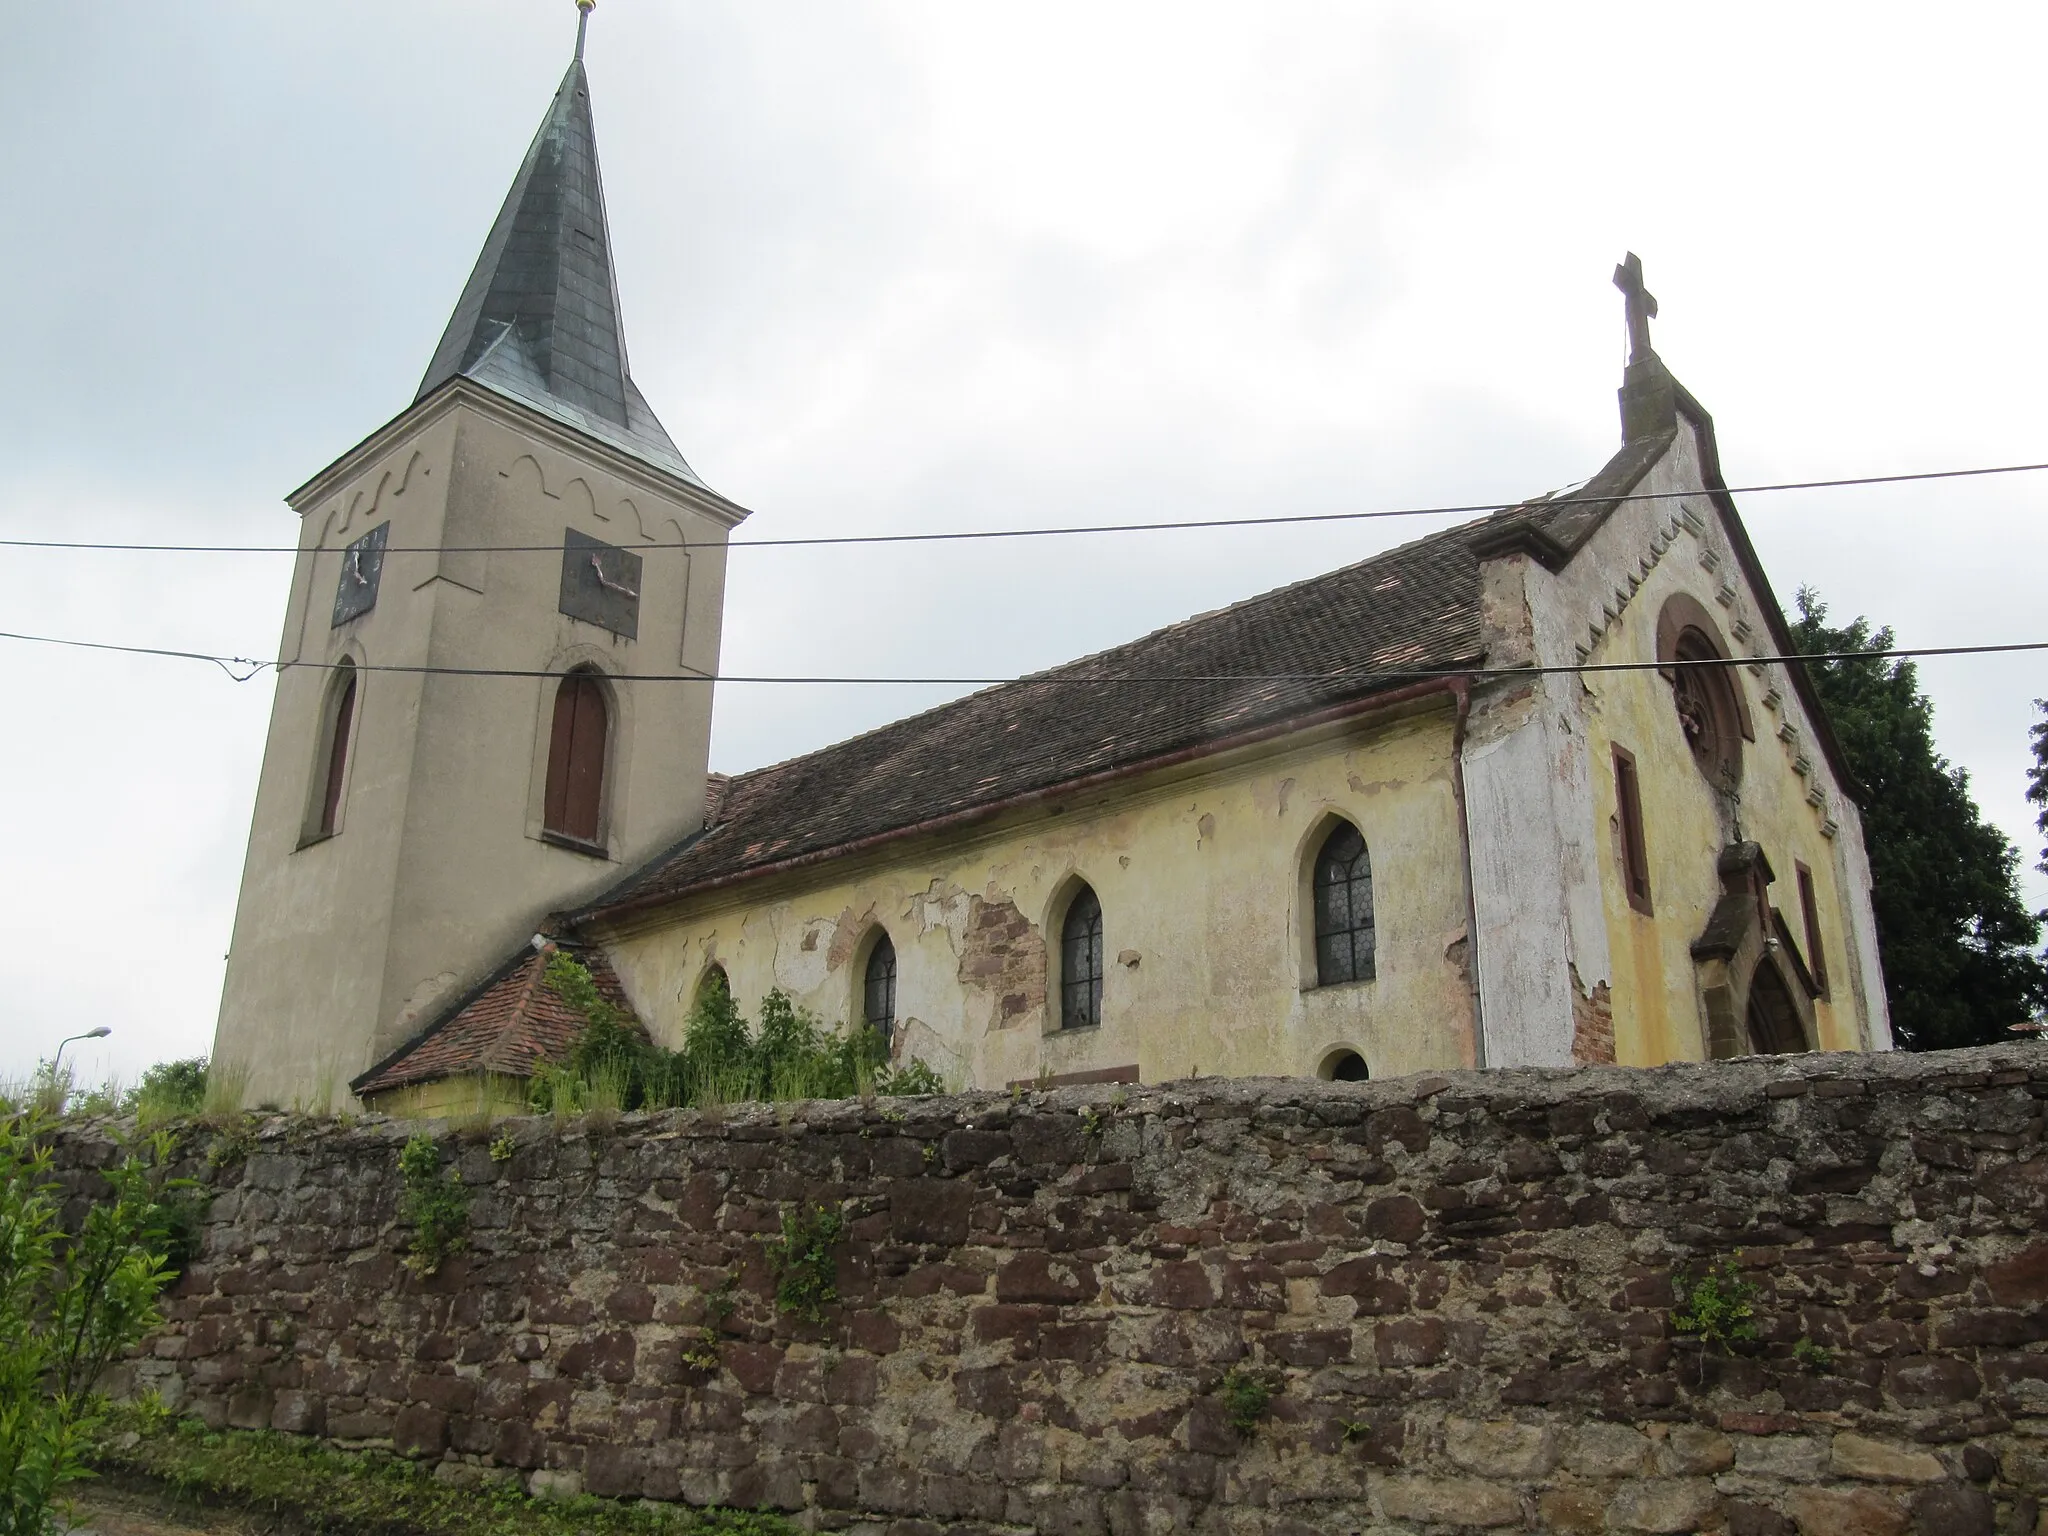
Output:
[[1081, 962], [576, 750], [1343, 907], [335, 722], [878, 989]]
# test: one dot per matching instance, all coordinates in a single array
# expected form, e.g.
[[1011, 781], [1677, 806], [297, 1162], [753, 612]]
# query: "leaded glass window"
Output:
[[878, 999], [1343, 902], [1081, 962]]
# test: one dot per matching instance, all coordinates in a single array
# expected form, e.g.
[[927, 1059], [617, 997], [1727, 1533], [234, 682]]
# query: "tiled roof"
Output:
[[509, 1025], [1335, 638]]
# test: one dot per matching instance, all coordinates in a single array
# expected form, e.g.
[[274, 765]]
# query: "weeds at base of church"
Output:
[[323, 1489], [614, 1068]]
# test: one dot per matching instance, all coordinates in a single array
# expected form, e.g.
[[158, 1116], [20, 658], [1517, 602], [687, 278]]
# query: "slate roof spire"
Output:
[[539, 318]]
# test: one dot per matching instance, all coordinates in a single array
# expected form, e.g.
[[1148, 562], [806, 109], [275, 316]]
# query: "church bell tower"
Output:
[[484, 707]]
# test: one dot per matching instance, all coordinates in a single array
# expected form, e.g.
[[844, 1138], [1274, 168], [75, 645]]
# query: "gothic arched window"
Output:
[[1081, 962], [336, 719], [878, 988], [1343, 908], [575, 792]]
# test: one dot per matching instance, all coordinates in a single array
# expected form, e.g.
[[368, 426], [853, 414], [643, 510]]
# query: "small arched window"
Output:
[[878, 989], [1345, 1067], [1081, 962], [1343, 908], [575, 792], [336, 720]]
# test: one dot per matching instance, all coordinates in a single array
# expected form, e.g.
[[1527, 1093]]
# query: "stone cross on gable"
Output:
[[1642, 305]]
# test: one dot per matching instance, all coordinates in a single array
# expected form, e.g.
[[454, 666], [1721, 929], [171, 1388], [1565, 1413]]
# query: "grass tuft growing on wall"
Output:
[[374, 1494]]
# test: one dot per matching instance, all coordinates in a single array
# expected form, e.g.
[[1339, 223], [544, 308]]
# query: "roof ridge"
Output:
[[738, 781]]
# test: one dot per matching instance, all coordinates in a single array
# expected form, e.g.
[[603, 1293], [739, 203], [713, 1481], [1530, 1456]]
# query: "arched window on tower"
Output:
[[336, 720], [1081, 962], [878, 989], [1343, 908], [576, 753]]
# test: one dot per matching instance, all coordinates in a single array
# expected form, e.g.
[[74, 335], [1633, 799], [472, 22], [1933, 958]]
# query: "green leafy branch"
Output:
[[805, 1279], [435, 1203]]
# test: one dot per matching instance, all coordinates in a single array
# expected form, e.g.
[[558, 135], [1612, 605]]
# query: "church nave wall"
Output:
[[1206, 937]]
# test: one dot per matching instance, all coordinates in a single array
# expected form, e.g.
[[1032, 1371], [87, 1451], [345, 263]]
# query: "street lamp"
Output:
[[99, 1033]]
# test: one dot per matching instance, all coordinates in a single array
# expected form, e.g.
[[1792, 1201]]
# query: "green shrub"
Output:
[[435, 1203], [1246, 1397], [170, 1090], [69, 1303], [805, 1280], [910, 1081], [791, 1055], [1717, 1306], [1815, 1356]]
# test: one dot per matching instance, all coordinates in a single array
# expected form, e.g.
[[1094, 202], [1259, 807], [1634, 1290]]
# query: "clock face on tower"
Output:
[[361, 564], [600, 584]]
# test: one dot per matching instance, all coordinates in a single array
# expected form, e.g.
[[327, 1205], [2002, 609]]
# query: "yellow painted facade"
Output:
[[1203, 877], [1654, 994], [477, 1097]]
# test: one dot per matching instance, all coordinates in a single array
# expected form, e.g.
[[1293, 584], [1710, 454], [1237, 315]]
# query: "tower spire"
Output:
[[539, 317]]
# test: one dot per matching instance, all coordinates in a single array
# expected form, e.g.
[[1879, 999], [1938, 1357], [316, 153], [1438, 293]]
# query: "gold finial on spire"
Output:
[[583, 10]]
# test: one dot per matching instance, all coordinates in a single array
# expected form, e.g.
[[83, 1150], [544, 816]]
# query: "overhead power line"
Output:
[[242, 668], [1060, 531]]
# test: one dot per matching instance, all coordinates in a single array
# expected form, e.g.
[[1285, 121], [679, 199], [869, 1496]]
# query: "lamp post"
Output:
[[99, 1033]]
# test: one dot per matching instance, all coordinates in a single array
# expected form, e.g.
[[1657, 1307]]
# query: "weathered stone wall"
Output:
[[1460, 1289]]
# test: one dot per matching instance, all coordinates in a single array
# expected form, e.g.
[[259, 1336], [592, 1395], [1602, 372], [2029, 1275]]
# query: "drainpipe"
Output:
[[1461, 687]]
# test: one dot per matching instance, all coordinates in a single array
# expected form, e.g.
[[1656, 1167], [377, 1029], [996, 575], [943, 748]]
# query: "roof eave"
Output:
[[1773, 611], [1450, 680], [462, 391]]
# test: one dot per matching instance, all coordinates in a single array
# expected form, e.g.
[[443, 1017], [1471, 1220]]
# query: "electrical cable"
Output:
[[1400, 674], [1180, 525]]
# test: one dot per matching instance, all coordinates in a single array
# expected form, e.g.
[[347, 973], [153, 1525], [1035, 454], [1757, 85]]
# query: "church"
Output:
[[1535, 790]]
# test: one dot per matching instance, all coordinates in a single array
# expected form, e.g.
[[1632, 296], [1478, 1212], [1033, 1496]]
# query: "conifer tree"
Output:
[[1956, 941]]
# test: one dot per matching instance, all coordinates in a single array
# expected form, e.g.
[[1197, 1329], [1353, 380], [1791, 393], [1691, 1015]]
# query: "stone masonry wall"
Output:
[[1459, 1290]]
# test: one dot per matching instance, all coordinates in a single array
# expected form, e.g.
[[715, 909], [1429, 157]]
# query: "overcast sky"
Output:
[[945, 264]]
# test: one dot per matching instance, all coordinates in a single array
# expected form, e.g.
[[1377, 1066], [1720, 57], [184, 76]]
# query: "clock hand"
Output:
[[607, 583]]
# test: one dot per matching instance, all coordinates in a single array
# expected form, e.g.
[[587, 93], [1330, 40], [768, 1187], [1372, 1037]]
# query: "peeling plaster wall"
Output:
[[1604, 607], [1203, 888]]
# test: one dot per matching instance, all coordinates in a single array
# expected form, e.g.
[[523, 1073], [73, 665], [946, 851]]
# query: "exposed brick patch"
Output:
[[1004, 954], [1592, 1023]]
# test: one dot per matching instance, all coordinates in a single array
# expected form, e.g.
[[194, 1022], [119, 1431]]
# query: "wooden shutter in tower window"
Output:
[[337, 755], [575, 790]]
